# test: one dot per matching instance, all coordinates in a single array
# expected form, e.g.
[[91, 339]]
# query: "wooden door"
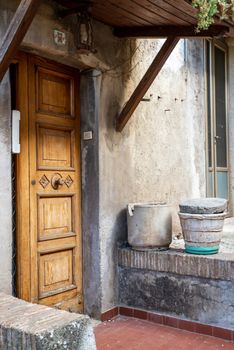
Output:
[[53, 238]]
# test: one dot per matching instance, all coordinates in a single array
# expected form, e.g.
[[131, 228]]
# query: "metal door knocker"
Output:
[[56, 181]]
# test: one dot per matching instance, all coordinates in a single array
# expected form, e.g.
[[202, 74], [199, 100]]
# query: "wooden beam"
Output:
[[80, 6], [169, 31], [146, 82], [16, 32]]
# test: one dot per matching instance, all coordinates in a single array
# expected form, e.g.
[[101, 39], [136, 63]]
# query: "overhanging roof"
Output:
[[149, 18]]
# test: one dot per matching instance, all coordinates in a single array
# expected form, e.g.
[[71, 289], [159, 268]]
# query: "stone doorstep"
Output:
[[218, 266], [26, 326], [170, 321]]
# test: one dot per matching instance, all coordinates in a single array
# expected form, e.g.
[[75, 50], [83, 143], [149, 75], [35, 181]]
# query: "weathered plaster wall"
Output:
[[5, 189], [160, 156]]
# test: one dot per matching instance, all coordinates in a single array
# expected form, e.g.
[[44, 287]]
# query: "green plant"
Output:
[[208, 9]]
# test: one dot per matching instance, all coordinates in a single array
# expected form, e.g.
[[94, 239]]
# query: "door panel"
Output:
[[55, 217], [55, 148], [56, 273], [54, 236], [55, 93]]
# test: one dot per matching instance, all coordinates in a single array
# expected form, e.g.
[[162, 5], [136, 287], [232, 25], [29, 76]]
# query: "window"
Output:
[[217, 150]]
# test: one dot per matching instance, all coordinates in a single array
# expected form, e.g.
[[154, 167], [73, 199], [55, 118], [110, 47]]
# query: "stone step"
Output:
[[26, 326]]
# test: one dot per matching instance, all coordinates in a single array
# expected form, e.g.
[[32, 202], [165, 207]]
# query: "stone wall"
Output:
[[194, 287]]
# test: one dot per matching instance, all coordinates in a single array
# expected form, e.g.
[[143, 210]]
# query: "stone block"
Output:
[[36, 327]]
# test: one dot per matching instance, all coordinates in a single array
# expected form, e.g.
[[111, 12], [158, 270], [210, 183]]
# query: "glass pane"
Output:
[[222, 184], [208, 79], [210, 185], [220, 107]]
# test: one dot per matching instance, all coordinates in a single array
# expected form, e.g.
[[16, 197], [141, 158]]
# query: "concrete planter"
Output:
[[202, 232], [149, 225]]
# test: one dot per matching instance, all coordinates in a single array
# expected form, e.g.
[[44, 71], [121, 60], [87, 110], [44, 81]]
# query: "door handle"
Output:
[[216, 138]]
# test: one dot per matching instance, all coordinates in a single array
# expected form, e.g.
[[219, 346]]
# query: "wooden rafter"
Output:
[[16, 32], [169, 31], [146, 82]]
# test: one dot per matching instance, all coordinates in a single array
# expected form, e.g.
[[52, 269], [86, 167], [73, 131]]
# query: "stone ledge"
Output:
[[29, 326], [218, 266]]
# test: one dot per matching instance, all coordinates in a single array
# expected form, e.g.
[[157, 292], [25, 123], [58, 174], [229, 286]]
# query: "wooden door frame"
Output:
[[23, 279], [23, 246]]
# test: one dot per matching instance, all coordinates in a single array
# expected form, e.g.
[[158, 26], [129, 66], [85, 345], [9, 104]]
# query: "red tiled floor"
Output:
[[125, 333]]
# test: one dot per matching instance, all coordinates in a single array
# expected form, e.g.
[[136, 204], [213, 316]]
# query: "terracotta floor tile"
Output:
[[125, 333]]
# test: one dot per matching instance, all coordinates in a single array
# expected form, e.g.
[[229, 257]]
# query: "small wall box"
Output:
[[15, 132], [87, 135]]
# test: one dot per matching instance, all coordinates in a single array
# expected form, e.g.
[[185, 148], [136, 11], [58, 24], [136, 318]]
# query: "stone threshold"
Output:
[[187, 325], [218, 266]]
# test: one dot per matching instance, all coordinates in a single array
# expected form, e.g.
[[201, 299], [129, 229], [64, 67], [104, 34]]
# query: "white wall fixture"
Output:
[[15, 131], [59, 38], [87, 135]]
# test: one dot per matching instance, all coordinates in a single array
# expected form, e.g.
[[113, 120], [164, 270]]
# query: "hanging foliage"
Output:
[[208, 9]]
